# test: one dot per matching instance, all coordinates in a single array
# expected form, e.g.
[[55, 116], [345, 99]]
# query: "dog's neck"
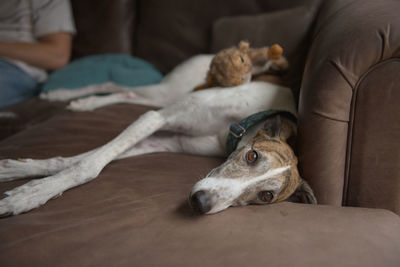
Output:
[[245, 130], [250, 133]]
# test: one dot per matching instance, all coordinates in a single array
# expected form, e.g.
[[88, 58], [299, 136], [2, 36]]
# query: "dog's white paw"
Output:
[[5, 209], [84, 104], [13, 169], [58, 95], [25, 198]]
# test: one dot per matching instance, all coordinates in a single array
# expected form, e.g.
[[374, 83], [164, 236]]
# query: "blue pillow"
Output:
[[121, 69]]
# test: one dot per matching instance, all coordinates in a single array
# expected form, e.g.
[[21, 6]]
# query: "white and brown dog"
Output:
[[261, 169]]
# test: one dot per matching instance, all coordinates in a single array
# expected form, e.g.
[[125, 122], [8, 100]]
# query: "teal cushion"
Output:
[[118, 68]]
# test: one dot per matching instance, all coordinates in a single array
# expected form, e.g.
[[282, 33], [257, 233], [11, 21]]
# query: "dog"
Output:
[[261, 169]]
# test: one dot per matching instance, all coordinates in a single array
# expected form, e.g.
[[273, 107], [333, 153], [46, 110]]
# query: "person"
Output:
[[35, 37]]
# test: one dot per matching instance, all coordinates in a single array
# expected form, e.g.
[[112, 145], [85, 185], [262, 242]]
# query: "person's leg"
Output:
[[15, 85]]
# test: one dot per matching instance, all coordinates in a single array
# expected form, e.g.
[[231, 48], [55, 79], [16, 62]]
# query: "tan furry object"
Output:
[[236, 65]]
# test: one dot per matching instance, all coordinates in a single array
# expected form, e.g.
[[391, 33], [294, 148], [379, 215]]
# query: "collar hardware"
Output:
[[238, 130]]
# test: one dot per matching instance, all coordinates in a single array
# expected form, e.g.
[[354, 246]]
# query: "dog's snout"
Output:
[[201, 202]]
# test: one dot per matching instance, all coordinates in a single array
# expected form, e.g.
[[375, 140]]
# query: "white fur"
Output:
[[197, 123]]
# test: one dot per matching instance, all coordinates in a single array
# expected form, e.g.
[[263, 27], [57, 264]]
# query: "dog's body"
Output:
[[196, 123]]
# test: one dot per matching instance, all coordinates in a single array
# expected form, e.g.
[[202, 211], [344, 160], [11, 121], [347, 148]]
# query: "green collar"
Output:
[[238, 130]]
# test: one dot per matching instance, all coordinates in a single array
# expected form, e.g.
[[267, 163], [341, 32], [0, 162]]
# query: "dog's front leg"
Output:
[[11, 169], [37, 192]]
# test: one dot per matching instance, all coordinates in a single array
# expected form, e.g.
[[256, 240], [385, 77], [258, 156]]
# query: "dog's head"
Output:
[[264, 171]]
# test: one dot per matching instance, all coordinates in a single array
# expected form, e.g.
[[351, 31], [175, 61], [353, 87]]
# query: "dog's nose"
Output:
[[201, 202]]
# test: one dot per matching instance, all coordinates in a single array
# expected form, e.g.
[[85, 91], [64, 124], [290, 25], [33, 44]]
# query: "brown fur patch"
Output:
[[283, 155]]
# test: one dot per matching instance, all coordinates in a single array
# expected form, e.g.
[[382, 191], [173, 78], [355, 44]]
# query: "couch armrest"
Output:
[[351, 41]]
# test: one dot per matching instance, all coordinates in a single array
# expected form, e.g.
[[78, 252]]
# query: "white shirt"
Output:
[[27, 20]]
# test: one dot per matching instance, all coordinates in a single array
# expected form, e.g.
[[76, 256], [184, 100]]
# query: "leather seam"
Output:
[[319, 114], [352, 123]]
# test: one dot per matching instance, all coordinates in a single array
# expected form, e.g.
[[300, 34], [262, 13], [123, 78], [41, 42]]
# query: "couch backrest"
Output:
[[163, 32], [167, 32], [103, 26]]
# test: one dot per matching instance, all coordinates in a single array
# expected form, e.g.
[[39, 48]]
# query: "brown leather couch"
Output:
[[344, 57]]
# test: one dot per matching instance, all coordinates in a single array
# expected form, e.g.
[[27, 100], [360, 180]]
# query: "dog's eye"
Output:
[[241, 59], [251, 156], [266, 196]]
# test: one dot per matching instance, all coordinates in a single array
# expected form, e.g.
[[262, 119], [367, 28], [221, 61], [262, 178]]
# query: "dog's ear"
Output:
[[279, 126], [303, 194]]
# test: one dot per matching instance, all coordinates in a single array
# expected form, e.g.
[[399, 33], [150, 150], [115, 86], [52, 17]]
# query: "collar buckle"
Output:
[[237, 130]]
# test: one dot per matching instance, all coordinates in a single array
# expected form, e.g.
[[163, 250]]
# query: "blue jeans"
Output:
[[15, 84]]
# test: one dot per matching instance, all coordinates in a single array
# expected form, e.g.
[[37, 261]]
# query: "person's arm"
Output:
[[51, 52]]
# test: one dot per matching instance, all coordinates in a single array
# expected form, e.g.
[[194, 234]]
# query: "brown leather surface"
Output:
[[169, 32], [136, 213], [28, 113], [374, 159], [347, 42], [103, 26]]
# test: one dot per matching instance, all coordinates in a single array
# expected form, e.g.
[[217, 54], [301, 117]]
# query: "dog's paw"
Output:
[[5, 209], [14, 169], [25, 198], [84, 104], [14, 205]]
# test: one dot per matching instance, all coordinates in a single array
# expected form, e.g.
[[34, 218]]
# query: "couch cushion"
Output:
[[26, 114], [103, 26], [136, 213]]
